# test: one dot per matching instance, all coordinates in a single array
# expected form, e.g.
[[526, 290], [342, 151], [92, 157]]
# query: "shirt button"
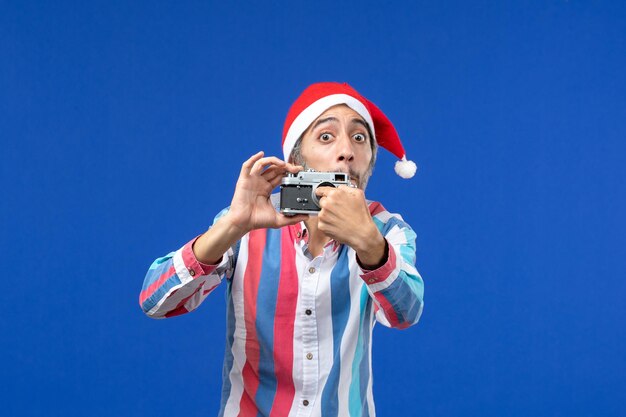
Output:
[[371, 280], [298, 234], [308, 312], [311, 270], [309, 356], [305, 403], [192, 272]]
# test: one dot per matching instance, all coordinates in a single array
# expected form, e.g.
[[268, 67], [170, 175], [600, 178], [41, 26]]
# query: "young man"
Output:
[[303, 292]]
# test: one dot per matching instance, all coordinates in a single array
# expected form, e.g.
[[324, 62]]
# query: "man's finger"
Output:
[[345, 187], [294, 169], [272, 171], [282, 220], [275, 182], [259, 165], [247, 166], [349, 190], [324, 191]]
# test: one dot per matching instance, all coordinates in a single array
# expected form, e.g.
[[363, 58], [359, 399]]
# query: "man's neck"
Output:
[[317, 238]]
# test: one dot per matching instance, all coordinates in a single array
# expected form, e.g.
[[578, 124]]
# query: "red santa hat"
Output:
[[318, 98]]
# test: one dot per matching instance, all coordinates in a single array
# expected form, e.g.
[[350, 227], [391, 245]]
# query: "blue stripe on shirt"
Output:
[[265, 315], [405, 303], [159, 261], [158, 268], [366, 328], [357, 398], [340, 310], [160, 293]]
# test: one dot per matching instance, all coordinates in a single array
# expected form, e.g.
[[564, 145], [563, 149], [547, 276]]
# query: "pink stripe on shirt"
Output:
[[284, 321], [147, 293], [250, 372]]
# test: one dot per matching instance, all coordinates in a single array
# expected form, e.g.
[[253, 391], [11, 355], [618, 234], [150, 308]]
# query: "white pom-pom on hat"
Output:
[[405, 168], [319, 97]]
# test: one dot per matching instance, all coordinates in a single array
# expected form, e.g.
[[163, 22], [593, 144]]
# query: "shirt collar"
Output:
[[300, 234]]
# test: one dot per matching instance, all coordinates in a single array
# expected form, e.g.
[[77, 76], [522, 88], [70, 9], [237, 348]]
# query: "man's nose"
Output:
[[345, 152]]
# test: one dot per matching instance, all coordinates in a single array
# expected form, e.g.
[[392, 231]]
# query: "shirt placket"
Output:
[[310, 342]]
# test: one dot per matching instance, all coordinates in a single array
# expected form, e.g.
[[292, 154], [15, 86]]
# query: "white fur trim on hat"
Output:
[[308, 116]]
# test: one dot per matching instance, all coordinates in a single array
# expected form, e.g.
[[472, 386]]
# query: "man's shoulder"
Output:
[[377, 210], [383, 218]]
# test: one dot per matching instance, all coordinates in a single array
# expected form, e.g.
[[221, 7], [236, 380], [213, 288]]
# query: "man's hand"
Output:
[[345, 217], [251, 207]]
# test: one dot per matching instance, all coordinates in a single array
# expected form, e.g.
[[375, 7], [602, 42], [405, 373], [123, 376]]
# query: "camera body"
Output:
[[297, 191]]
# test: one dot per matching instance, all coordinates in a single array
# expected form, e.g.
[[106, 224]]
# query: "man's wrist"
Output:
[[232, 227], [211, 246], [371, 249]]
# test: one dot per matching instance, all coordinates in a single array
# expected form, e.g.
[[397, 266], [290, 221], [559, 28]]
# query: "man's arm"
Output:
[[395, 286], [385, 251], [250, 208], [180, 281], [213, 244]]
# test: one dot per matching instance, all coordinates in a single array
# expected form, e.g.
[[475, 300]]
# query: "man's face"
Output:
[[338, 140]]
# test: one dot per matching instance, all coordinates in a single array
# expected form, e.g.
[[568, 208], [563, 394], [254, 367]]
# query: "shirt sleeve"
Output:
[[178, 283], [396, 287]]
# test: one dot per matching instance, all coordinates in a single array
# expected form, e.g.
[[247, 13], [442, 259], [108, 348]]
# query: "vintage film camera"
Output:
[[297, 191]]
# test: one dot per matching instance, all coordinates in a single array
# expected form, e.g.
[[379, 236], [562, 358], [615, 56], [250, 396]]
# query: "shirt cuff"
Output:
[[193, 265], [383, 272]]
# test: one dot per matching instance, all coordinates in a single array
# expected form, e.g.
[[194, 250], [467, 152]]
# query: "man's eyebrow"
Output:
[[334, 119], [324, 120], [359, 121]]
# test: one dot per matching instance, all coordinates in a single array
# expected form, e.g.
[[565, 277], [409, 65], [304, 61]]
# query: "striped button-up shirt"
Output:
[[299, 328]]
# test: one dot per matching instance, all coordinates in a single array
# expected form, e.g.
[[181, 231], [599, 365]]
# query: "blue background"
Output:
[[123, 126]]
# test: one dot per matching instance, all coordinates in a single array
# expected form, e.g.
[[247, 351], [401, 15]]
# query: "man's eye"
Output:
[[359, 137], [325, 137]]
